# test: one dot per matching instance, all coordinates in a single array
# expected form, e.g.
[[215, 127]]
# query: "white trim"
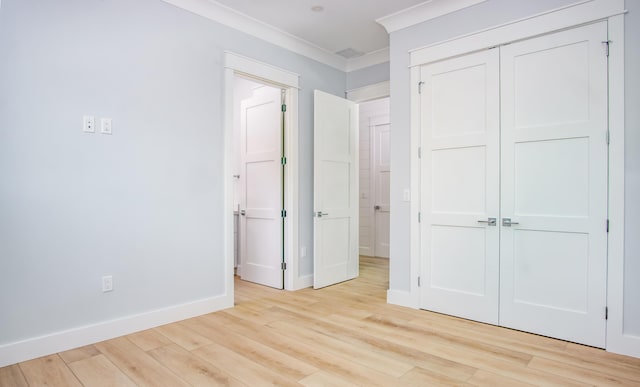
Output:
[[228, 250], [414, 227], [260, 70], [370, 59], [292, 280], [568, 16], [237, 64], [617, 340], [422, 12], [370, 92], [77, 337], [305, 281], [254, 27], [398, 297]]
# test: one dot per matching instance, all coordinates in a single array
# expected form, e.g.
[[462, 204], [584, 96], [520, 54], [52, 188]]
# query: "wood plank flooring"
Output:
[[343, 335]]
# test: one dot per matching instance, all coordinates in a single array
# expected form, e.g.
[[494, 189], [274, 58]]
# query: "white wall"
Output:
[[487, 14], [144, 204]]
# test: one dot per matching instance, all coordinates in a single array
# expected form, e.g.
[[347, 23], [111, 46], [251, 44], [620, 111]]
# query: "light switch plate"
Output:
[[105, 126], [406, 195]]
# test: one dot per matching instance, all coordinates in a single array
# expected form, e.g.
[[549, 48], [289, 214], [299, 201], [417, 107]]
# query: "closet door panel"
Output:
[[554, 185], [460, 186]]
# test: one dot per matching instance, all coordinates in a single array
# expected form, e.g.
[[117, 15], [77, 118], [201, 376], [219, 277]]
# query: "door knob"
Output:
[[489, 221], [376, 207], [320, 214], [506, 222], [242, 212]]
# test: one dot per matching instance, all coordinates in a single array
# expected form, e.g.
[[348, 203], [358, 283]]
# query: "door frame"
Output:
[[235, 65], [565, 17]]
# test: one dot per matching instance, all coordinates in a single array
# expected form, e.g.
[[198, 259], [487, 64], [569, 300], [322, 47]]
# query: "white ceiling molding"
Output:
[[366, 60], [239, 21], [422, 12], [370, 92]]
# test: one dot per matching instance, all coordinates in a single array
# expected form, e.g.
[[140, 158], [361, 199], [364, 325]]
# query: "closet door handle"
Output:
[[506, 222], [243, 212], [489, 221]]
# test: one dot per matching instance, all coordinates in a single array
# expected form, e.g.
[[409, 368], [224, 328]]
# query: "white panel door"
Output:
[[554, 185], [460, 186], [382, 180], [261, 181], [335, 190]]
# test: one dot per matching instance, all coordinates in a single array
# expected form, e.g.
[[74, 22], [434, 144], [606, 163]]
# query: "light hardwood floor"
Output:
[[343, 335]]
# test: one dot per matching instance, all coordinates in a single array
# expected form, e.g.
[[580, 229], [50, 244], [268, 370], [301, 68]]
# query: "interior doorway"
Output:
[[265, 74], [375, 174], [259, 202]]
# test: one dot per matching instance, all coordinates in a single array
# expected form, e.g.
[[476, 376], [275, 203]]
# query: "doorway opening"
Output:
[[375, 174], [259, 167], [286, 83]]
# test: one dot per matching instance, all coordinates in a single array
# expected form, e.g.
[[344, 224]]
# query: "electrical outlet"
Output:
[[107, 283], [88, 124]]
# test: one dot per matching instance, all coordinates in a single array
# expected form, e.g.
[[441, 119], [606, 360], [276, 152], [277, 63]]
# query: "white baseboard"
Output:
[[624, 345], [32, 348], [305, 281], [402, 298]]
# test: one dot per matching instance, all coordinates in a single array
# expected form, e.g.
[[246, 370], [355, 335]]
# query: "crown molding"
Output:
[[422, 12], [254, 27], [366, 60]]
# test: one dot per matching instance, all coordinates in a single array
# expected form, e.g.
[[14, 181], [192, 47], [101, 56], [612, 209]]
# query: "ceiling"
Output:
[[341, 25]]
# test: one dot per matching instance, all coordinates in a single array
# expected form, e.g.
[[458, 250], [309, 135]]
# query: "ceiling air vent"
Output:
[[349, 53]]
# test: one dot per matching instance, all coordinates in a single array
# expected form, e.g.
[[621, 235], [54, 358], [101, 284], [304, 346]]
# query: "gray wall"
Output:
[[368, 76], [481, 16], [144, 204]]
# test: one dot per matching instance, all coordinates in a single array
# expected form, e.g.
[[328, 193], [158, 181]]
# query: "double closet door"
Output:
[[514, 185]]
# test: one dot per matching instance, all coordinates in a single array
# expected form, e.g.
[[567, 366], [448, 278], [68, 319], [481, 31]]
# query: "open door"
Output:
[[335, 190], [261, 181]]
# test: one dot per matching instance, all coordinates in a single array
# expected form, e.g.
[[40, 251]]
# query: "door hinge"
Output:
[[607, 225], [606, 46], [419, 152], [419, 217], [420, 87], [283, 213], [284, 108], [283, 160], [606, 312], [608, 137], [418, 281], [284, 266]]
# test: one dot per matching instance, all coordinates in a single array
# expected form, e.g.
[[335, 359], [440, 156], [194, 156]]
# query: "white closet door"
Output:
[[554, 185], [460, 186], [335, 190], [261, 179]]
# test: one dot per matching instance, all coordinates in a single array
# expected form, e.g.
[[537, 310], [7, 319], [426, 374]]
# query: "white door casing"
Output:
[[381, 131], [460, 186], [261, 220], [554, 185], [335, 190]]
